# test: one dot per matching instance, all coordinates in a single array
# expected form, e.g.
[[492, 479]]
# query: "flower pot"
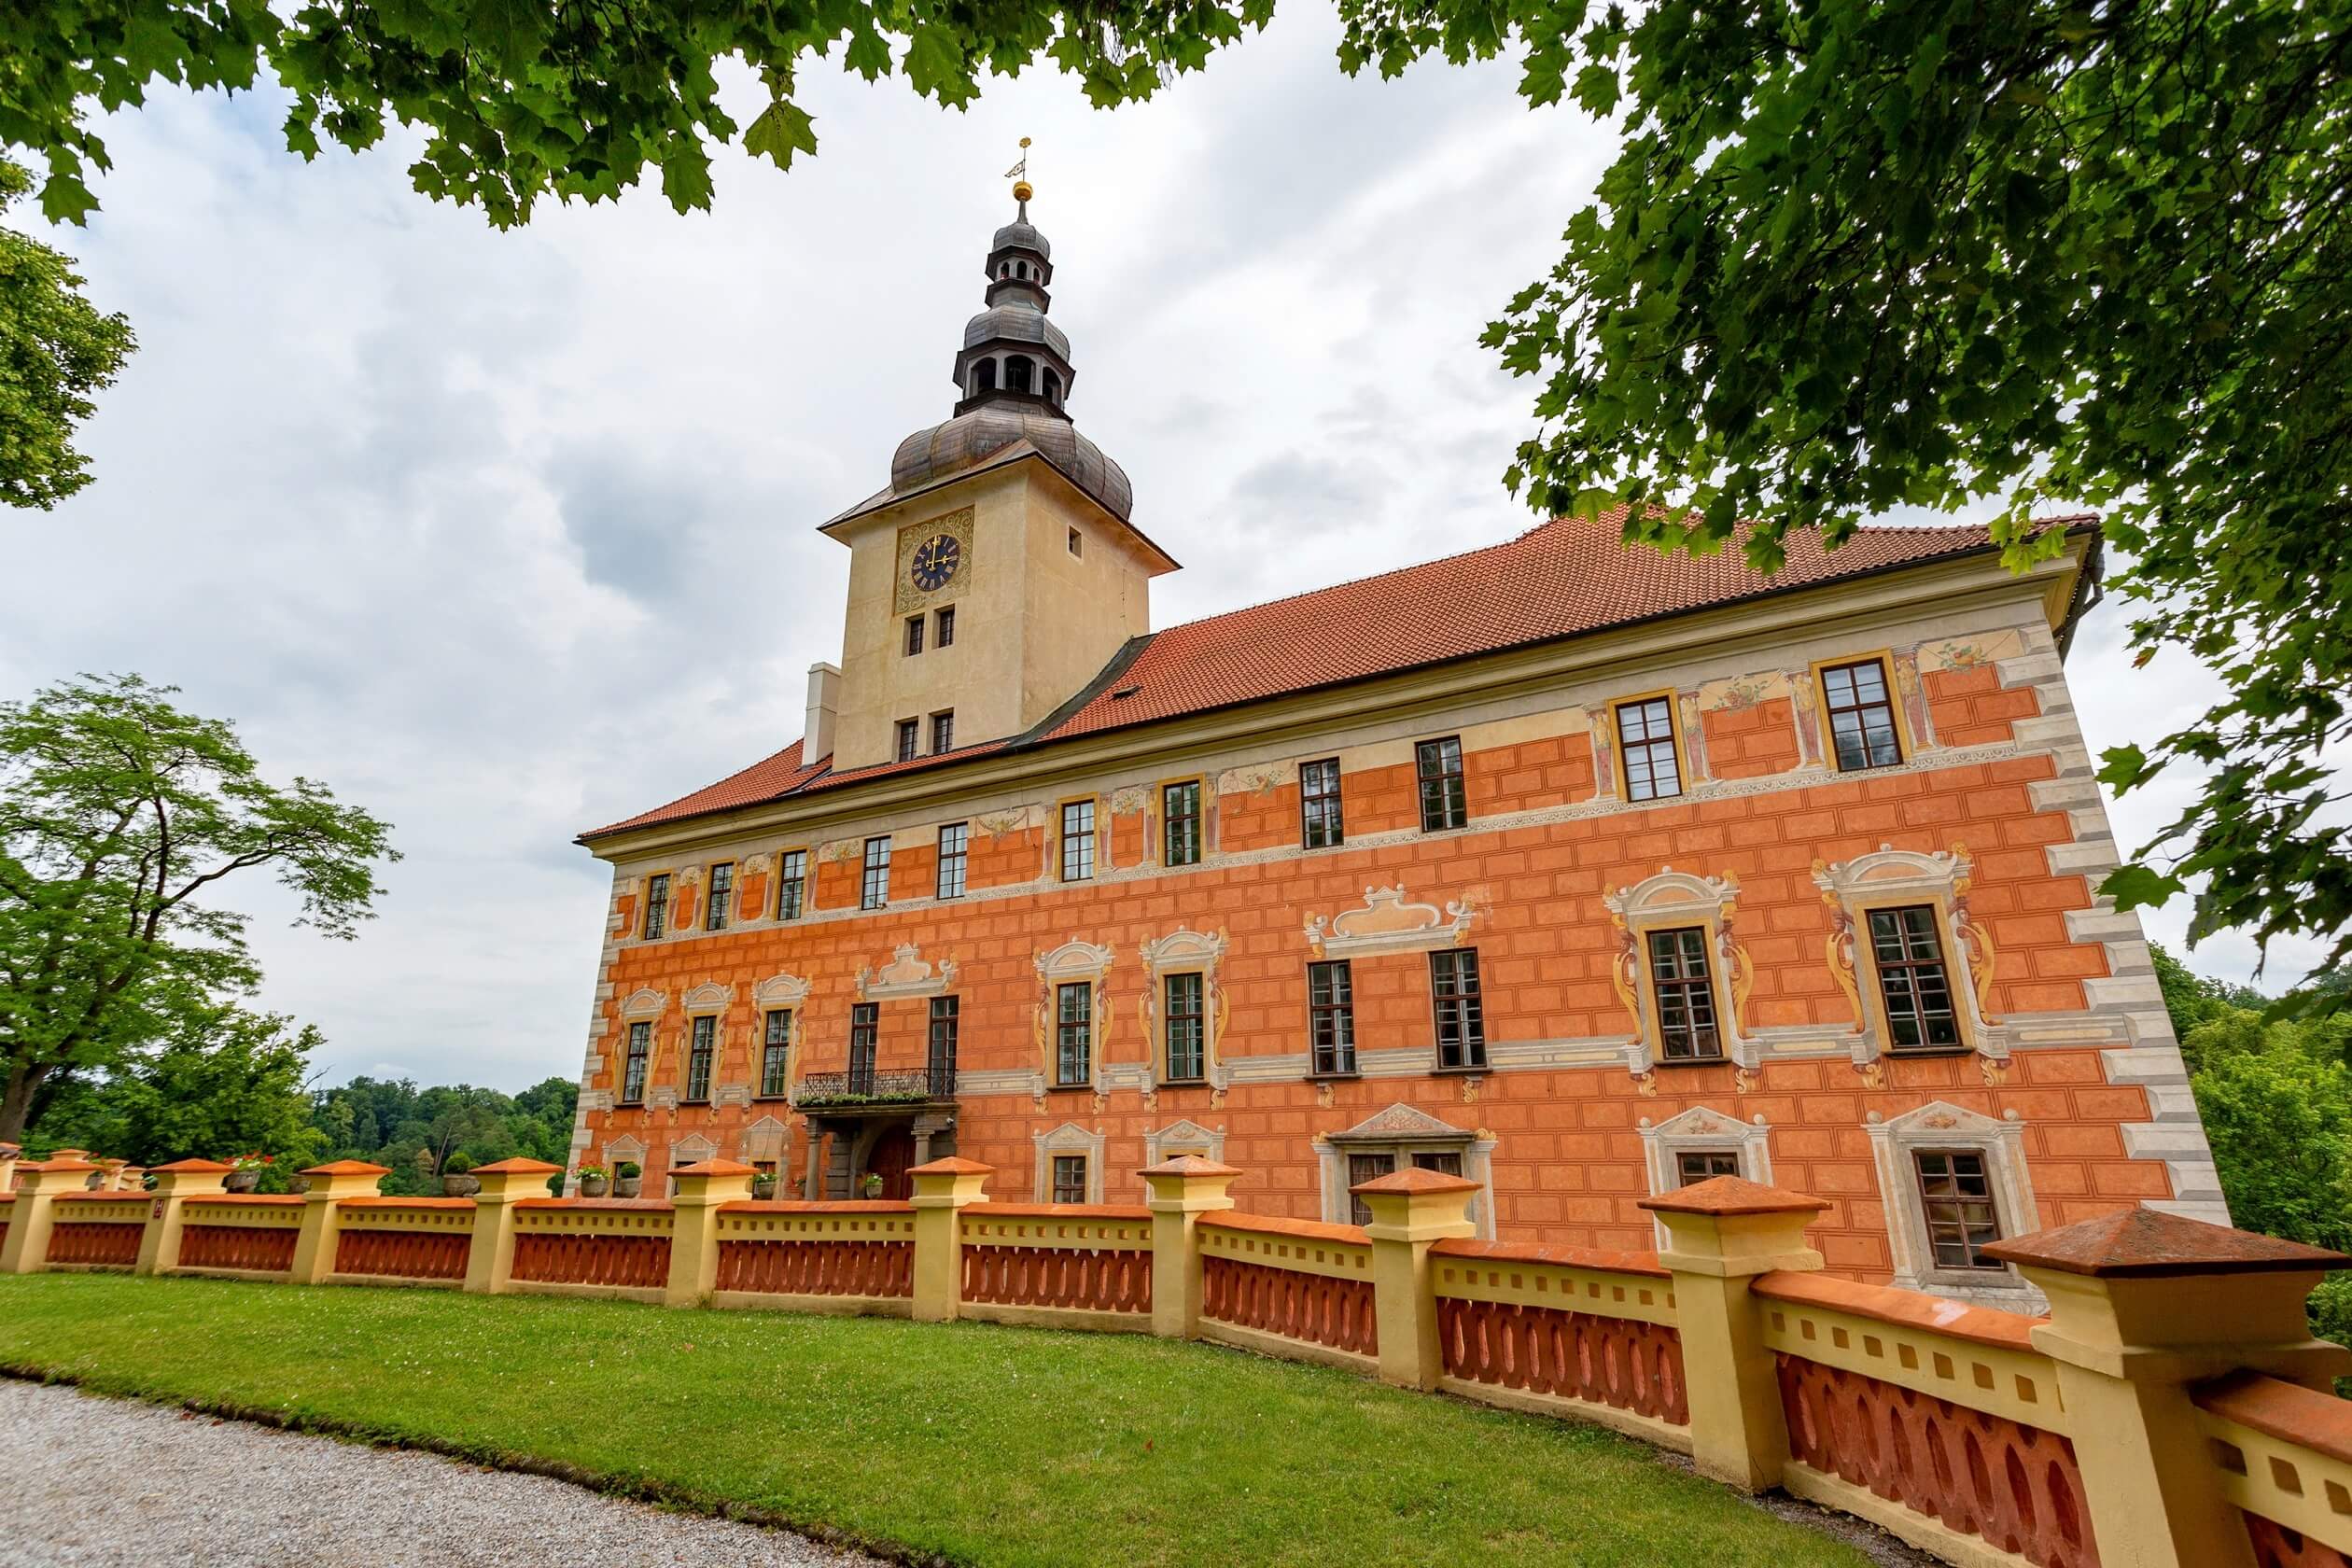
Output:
[[298, 1185], [592, 1186], [628, 1187], [460, 1186], [764, 1188], [242, 1181], [97, 1181]]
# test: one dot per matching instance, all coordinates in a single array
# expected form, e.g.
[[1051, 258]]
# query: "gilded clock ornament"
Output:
[[935, 562]]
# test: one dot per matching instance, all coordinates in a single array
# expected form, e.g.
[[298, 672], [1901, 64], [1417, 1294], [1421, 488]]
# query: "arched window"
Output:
[[1052, 388], [1019, 373], [1021, 269], [984, 377]]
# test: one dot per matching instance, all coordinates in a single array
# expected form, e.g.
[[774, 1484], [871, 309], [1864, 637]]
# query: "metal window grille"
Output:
[[1444, 801], [1073, 1034], [792, 883], [1453, 988], [1069, 1178], [952, 841], [1646, 731], [775, 1053], [1956, 1193], [706, 1042], [873, 889], [1077, 841], [1331, 1017], [1694, 1166], [1179, 825], [640, 1055], [1320, 825], [1187, 1028], [1861, 716], [656, 906], [1912, 980], [1686, 996], [721, 900]]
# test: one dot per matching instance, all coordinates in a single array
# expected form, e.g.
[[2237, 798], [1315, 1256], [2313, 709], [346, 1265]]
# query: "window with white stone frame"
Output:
[[1914, 963], [1952, 1180], [1065, 1143], [1681, 970], [1399, 1138], [1700, 1145]]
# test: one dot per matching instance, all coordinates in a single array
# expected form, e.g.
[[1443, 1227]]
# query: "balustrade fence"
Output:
[[2172, 1411]]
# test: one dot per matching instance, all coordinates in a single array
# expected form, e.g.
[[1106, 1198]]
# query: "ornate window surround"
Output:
[[905, 975], [1184, 951], [1704, 1127], [1068, 1139], [754, 1142], [1405, 1131], [1941, 1125], [1183, 1138], [1669, 899], [1891, 879], [1076, 962]]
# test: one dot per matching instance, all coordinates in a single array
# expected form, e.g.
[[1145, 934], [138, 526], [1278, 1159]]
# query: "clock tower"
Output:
[[998, 571]]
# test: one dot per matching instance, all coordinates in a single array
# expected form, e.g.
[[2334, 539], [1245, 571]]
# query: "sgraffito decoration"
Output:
[[1388, 923]]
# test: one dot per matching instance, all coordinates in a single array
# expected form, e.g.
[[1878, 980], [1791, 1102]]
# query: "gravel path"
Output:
[[108, 1483]]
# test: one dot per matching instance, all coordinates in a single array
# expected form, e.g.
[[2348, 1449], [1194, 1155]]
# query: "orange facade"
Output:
[[1554, 882]]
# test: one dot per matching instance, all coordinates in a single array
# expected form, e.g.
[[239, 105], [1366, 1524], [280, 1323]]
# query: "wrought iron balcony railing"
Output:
[[873, 1087]]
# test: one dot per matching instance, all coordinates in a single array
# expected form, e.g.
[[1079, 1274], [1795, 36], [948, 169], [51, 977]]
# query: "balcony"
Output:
[[879, 1089]]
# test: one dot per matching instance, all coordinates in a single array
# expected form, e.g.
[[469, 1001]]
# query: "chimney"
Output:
[[824, 705]]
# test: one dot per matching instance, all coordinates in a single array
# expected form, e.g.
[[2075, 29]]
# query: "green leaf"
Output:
[[781, 129]]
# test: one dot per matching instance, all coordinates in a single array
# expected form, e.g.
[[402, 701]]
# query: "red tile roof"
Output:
[[1562, 579]]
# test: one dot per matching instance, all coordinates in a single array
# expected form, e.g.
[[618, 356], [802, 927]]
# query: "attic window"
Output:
[[1121, 694]]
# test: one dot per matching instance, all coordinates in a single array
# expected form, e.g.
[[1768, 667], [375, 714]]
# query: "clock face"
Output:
[[935, 560]]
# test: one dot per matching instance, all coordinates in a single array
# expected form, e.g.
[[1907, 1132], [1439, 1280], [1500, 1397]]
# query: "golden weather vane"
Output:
[[1018, 175]]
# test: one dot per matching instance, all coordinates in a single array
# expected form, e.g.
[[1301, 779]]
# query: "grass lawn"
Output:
[[978, 1443]]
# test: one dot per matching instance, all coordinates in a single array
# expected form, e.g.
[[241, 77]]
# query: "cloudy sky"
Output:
[[506, 536]]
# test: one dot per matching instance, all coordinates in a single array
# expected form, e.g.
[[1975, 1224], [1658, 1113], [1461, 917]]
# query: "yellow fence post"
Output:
[[8, 1156], [1410, 1209], [39, 1185], [2142, 1305], [1720, 1235], [490, 1258], [1182, 1190], [174, 1185], [693, 1259], [942, 1189], [330, 1185]]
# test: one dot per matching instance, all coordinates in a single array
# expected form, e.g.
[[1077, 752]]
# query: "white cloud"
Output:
[[507, 535]]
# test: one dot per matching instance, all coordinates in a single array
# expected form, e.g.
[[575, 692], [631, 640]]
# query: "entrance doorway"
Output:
[[893, 1156]]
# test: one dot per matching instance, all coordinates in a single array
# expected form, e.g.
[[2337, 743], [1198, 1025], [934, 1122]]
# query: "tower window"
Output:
[[944, 732], [944, 634], [1053, 387], [914, 634], [1077, 543], [984, 377], [1021, 373], [910, 734]]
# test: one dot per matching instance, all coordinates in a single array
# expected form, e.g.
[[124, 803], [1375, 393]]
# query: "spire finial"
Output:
[[1018, 175]]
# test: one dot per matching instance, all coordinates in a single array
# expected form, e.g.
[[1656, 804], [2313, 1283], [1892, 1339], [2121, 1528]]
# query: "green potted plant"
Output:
[[763, 1185], [593, 1180], [456, 1180], [870, 1184], [626, 1179], [245, 1172]]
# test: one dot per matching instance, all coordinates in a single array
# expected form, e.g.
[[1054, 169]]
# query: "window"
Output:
[[1319, 822], [865, 1025], [792, 883], [1180, 824], [1077, 545], [1957, 1198], [656, 906], [1685, 998], [640, 1053], [1444, 802], [1453, 990], [1861, 716], [1912, 978], [873, 889], [722, 896], [1331, 1017], [1069, 1178], [909, 734], [945, 1014], [698, 1055], [1077, 840], [1694, 1166], [1645, 732], [1363, 1169], [1073, 1034], [776, 1053], [952, 839], [944, 636], [914, 634], [943, 731], [1187, 1029]]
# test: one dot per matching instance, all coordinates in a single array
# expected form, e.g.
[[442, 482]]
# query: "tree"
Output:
[[1853, 255], [119, 816], [55, 350], [228, 1081]]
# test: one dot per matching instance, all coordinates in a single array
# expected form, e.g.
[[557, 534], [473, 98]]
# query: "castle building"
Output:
[[1580, 870]]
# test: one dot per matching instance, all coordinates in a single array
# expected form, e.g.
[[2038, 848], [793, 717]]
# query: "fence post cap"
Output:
[[349, 1167], [953, 1166], [516, 1167], [1414, 1180], [2141, 1243], [1189, 1165], [1732, 1195], [193, 1168]]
